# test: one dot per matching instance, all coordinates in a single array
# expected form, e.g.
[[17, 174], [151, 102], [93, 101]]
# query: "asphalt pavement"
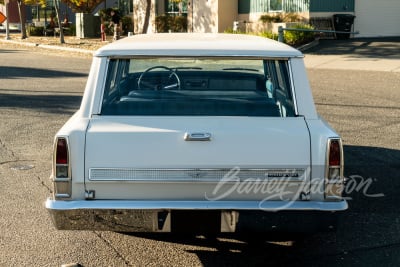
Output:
[[366, 54], [38, 94]]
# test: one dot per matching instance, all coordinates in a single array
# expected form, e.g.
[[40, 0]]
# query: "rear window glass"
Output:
[[198, 87]]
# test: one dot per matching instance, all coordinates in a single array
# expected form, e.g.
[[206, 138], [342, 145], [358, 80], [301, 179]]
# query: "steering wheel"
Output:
[[159, 86]]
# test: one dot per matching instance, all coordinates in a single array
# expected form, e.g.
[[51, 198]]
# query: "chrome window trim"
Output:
[[220, 57], [292, 88]]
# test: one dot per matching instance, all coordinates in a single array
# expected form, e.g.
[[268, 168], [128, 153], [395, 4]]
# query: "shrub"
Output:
[[269, 35], [268, 18], [292, 17], [127, 24], [165, 23], [230, 30], [179, 24], [293, 38], [162, 23], [35, 31], [296, 38], [71, 30], [286, 17]]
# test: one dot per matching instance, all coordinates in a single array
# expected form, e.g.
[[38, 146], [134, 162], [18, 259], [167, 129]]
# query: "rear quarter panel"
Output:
[[74, 130], [320, 132]]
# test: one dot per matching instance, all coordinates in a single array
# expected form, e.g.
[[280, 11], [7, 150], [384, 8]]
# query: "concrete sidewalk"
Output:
[[369, 54], [344, 62]]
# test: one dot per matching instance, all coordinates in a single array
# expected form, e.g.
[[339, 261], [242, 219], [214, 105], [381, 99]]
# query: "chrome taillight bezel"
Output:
[[334, 184], [61, 184]]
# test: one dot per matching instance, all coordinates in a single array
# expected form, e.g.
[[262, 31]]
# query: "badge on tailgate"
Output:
[[198, 136]]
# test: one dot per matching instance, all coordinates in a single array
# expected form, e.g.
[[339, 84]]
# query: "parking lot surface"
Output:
[[40, 90]]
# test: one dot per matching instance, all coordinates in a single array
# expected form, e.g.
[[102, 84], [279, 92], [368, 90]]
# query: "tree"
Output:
[[57, 8], [147, 16], [83, 6], [22, 18]]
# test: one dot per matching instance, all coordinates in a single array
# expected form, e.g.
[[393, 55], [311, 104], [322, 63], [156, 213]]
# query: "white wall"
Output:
[[227, 14], [377, 18], [203, 16]]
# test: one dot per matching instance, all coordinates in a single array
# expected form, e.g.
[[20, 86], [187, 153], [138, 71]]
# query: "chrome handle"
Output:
[[197, 137]]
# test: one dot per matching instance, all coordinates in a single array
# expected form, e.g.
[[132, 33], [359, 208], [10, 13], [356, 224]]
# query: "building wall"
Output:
[[13, 14], [327, 14], [332, 6], [203, 16], [251, 10], [373, 18], [377, 18], [227, 14]]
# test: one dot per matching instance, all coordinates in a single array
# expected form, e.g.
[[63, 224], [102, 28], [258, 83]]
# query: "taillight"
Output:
[[61, 151], [334, 153], [62, 158], [61, 169], [334, 170]]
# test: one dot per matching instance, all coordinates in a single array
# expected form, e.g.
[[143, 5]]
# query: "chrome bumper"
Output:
[[162, 216]]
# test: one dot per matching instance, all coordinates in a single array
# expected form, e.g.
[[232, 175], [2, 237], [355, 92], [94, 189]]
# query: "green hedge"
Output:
[[297, 38], [35, 31], [127, 24], [293, 38], [165, 23], [71, 30], [287, 17]]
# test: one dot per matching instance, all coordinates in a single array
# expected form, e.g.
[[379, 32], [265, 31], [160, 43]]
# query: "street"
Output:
[[40, 90]]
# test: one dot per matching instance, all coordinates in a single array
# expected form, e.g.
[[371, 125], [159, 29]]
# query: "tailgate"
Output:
[[153, 158]]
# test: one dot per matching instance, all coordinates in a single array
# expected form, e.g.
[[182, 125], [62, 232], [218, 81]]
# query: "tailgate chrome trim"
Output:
[[197, 174]]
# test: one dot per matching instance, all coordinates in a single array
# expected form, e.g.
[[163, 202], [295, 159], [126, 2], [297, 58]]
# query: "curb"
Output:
[[52, 47], [305, 47]]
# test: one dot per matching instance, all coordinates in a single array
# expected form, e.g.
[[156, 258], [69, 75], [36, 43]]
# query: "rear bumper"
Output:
[[196, 216]]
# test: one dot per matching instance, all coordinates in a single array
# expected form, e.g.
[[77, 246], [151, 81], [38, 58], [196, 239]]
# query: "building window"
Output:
[[262, 6], [176, 7], [275, 5]]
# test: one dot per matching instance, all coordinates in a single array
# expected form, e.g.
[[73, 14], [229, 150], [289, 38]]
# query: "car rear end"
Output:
[[198, 142]]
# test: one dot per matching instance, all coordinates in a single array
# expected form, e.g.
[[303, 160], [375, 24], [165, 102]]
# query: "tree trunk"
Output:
[[57, 8], [146, 22], [21, 19]]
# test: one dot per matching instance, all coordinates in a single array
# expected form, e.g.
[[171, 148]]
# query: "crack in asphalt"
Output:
[[98, 234], [3, 145], [44, 184], [13, 161]]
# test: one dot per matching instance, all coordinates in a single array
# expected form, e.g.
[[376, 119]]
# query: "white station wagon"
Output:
[[197, 133]]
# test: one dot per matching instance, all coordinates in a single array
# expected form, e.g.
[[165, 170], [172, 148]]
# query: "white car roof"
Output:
[[198, 44]]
